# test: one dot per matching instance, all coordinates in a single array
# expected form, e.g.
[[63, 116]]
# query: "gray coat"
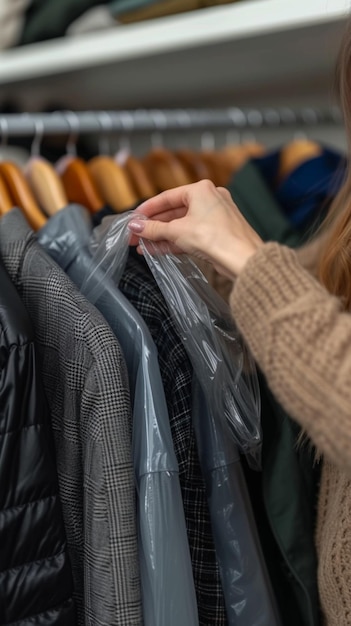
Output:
[[85, 381]]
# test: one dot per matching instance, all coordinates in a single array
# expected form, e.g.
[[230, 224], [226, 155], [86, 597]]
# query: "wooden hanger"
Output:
[[6, 202], [223, 164], [74, 173], [165, 170], [46, 185], [79, 183], [238, 155], [112, 183], [295, 153], [21, 194], [195, 167], [138, 176], [218, 166], [42, 178]]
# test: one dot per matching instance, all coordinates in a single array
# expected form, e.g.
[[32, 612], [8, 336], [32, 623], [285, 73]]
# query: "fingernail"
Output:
[[136, 226]]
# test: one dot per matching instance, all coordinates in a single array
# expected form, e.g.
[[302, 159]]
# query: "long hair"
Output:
[[334, 263]]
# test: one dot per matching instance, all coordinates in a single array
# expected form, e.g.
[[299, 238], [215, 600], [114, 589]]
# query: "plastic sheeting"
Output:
[[247, 589], [223, 365]]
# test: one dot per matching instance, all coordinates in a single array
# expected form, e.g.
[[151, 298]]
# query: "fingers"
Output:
[[134, 240], [161, 247], [175, 199], [195, 203], [225, 193], [170, 200], [164, 216], [153, 230]]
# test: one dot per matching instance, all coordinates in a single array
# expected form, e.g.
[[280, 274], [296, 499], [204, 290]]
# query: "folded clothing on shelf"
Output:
[[12, 19], [48, 19], [128, 11]]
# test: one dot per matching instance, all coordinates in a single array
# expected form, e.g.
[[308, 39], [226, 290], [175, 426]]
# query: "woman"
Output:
[[298, 329]]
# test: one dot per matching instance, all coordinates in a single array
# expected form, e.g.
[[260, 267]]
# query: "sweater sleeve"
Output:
[[301, 339]]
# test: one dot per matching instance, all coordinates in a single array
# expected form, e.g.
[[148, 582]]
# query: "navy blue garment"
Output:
[[305, 194]]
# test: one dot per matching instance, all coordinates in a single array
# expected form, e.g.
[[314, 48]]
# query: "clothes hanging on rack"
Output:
[[289, 547], [282, 539], [287, 211], [306, 192], [166, 575], [248, 592], [139, 287], [35, 570], [257, 203], [284, 519], [67, 237], [86, 385]]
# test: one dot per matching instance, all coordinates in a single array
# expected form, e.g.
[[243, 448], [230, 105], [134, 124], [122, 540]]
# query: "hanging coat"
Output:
[[35, 571]]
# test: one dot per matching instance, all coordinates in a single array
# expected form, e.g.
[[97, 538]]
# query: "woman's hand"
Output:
[[201, 220]]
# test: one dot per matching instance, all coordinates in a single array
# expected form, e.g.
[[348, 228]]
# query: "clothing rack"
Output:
[[126, 122]]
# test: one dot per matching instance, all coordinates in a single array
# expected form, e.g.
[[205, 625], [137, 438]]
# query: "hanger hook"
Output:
[[127, 122], [4, 131], [184, 121], [254, 119], [160, 122], [38, 136], [72, 120], [208, 142], [310, 118], [238, 119], [106, 123]]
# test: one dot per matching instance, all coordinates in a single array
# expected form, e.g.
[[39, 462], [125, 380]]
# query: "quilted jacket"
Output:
[[35, 572]]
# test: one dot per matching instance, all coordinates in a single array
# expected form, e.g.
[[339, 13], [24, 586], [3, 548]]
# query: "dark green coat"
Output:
[[284, 499], [256, 202]]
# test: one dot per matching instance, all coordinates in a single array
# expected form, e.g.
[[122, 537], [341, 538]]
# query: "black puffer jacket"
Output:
[[35, 575]]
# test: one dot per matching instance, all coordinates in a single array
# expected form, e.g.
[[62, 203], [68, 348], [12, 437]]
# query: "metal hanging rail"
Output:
[[127, 122]]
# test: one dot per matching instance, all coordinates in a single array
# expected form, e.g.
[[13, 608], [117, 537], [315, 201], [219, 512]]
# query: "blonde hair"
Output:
[[334, 264]]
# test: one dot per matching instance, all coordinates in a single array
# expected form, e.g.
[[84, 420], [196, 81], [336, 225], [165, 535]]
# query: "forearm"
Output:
[[302, 341]]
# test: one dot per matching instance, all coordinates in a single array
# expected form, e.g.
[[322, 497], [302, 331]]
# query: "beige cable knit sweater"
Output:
[[301, 339]]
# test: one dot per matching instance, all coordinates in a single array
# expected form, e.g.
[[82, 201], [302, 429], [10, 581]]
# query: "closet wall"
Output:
[[252, 53]]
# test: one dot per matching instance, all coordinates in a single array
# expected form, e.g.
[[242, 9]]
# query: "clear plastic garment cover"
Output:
[[223, 365], [226, 413]]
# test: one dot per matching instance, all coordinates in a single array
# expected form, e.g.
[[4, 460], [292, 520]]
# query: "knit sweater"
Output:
[[301, 339]]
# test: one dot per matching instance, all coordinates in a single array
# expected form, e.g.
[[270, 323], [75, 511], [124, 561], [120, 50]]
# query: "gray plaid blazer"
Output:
[[85, 381]]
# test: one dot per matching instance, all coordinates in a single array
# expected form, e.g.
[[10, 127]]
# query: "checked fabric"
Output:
[[85, 381], [139, 287]]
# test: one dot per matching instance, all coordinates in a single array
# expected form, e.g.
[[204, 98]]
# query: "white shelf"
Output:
[[216, 53]]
